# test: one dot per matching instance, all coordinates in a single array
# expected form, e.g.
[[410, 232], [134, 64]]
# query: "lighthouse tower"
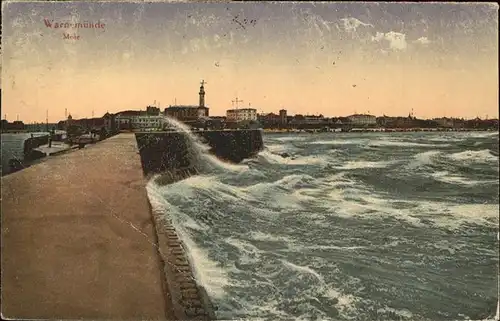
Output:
[[202, 94]]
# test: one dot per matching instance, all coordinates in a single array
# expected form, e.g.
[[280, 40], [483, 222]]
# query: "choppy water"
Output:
[[372, 226]]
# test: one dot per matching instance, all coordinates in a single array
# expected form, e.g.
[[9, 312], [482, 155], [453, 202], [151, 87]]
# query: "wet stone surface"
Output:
[[195, 312], [184, 274], [190, 293], [188, 285], [183, 269], [179, 272]]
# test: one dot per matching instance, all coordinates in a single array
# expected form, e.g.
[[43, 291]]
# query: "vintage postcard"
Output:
[[249, 160]]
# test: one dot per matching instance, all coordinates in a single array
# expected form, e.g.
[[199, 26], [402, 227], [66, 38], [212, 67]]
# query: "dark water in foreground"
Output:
[[12, 147], [369, 226]]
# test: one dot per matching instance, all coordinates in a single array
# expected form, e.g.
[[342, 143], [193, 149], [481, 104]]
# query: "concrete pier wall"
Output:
[[234, 145], [79, 240], [162, 151], [34, 142]]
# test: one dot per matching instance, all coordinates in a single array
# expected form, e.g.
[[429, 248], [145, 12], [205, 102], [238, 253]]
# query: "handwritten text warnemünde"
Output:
[[74, 25], [85, 24]]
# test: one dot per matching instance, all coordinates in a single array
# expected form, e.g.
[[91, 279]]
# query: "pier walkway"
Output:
[[78, 239]]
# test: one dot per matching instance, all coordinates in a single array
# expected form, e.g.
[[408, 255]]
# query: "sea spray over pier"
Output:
[[363, 226], [180, 149]]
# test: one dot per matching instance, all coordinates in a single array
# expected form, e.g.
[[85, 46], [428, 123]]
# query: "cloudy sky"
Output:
[[331, 58]]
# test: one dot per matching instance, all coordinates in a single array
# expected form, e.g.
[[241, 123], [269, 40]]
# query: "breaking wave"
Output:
[[484, 155]]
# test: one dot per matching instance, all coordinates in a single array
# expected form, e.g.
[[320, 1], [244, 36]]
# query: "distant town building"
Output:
[[85, 123], [138, 120], [270, 120], [16, 125], [219, 118], [308, 120], [338, 121], [283, 119], [190, 113], [397, 122], [145, 121], [110, 122], [445, 122], [314, 119], [184, 112], [362, 119], [243, 114], [152, 110]]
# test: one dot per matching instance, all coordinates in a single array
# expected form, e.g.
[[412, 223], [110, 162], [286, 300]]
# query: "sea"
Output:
[[345, 226]]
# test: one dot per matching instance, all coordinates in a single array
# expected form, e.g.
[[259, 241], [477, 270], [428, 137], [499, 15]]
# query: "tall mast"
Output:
[[236, 102]]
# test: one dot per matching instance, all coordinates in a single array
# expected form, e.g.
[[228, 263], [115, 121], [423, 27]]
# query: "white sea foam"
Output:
[[475, 156], [331, 247], [482, 134], [336, 180], [268, 157], [365, 164], [248, 252], [283, 192], [340, 142], [207, 272], [425, 158], [448, 246], [345, 301], [279, 148], [447, 177], [344, 203], [444, 139], [294, 160], [403, 144], [302, 269], [259, 236], [404, 313], [290, 138], [188, 188]]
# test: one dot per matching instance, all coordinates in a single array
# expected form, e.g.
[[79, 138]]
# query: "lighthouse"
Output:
[[202, 94]]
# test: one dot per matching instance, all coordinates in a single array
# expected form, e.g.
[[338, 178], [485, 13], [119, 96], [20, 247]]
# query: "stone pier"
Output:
[[79, 240]]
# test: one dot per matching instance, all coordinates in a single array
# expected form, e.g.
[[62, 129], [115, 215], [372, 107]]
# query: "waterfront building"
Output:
[[445, 122], [308, 120], [270, 120], [185, 113], [145, 121], [139, 120], [243, 114], [152, 110], [16, 125], [362, 119], [283, 118], [85, 123], [397, 122]]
